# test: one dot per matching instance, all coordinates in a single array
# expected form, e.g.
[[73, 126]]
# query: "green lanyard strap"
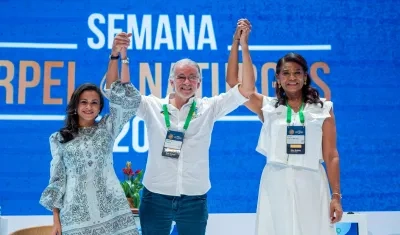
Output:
[[188, 119], [289, 113]]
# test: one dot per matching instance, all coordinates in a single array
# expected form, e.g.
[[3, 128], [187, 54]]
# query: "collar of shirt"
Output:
[[171, 95]]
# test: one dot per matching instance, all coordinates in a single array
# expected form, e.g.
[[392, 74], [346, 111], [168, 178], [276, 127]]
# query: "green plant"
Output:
[[132, 184]]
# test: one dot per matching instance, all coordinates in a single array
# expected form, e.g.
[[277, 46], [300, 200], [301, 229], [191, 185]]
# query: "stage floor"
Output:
[[377, 223]]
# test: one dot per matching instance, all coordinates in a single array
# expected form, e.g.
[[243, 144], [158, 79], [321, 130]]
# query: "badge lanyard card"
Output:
[[295, 135], [174, 139]]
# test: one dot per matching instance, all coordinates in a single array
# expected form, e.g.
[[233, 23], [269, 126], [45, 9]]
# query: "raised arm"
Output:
[[124, 99], [239, 93], [255, 99], [233, 62], [125, 74], [122, 40], [247, 87]]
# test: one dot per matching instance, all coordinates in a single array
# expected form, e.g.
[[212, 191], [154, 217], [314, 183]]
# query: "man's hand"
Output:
[[242, 25], [121, 43]]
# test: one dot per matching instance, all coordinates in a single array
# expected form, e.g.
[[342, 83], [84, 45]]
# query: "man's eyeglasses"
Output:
[[192, 78]]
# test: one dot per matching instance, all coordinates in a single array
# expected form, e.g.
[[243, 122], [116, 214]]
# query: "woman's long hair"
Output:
[[310, 94], [71, 128]]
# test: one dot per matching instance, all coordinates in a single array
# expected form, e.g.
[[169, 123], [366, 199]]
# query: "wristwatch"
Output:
[[125, 61], [114, 57]]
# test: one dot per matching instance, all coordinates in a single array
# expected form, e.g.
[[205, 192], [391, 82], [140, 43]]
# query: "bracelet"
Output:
[[111, 57], [125, 61], [340, 195]]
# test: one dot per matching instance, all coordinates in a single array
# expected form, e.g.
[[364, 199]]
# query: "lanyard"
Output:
[[189, 117], [289, 113]]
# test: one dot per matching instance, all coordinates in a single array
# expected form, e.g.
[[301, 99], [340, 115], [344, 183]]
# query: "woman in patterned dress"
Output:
[[84, 192]]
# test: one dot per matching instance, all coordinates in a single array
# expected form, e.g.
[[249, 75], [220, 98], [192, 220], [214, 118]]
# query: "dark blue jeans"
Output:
[[157, 212]]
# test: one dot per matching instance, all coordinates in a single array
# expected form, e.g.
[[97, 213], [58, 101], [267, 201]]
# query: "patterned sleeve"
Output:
[[124, 102], [52, 196]]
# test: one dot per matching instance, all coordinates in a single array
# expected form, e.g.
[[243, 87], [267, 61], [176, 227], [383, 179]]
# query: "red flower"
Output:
[[137, 171], [127, 171]]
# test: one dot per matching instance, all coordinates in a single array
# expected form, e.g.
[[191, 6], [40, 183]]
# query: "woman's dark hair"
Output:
[[71, 128], [310, 94]]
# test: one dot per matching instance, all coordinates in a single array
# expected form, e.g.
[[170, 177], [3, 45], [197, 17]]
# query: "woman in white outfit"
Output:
[[297, 135]]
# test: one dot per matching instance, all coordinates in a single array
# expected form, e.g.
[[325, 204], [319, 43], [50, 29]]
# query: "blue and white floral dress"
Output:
[[83, 183]]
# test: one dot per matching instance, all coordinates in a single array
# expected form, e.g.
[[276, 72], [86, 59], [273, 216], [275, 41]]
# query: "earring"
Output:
[[279, 85], [305, 82], [75, 112]]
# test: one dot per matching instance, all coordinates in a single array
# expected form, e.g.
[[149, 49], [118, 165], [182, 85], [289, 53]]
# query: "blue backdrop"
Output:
[[353, 49]]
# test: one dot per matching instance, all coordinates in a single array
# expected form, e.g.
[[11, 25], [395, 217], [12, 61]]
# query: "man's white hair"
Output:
[[184, 61]]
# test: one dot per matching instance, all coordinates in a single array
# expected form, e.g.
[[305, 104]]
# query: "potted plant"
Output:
[[132, 185]]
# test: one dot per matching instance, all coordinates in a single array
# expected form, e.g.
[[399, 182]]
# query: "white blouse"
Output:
[[272, 139]]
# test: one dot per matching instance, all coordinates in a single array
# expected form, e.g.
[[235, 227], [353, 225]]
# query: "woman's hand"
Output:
[[336, 211], [56, 228]]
